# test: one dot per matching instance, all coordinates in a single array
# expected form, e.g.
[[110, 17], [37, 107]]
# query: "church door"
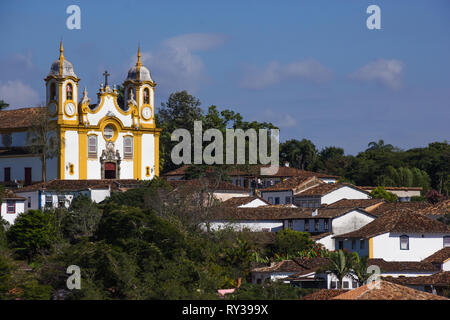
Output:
[[28, 176], [110, 170]]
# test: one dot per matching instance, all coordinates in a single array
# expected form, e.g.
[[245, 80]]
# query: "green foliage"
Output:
[[381, 193], [3, 105], [268, 291], [82, 218], [31, 232], [289, 242], [341, 263]]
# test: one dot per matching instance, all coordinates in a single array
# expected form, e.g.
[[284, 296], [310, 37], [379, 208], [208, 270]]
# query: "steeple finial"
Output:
[[61, 50], [139, 63]]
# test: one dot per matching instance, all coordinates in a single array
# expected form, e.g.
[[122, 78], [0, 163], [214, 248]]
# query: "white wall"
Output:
[[256, 226], [387, 246], [148, 156], [343, 193], [327, 242], [446, 265], [10, 217], [331, 277], [273, 194], [350, 221], [98, 195], [225, 195], [254, 204], [71, 157]]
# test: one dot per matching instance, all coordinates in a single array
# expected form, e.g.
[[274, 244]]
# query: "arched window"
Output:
[[404, 242], [128, 147], [69, 91], [53, 91], [146, 96], [92, 146]]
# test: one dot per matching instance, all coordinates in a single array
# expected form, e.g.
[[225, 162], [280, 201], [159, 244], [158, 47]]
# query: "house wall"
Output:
[[273, 194], [254, 204], [32, 201], [299, 225], [446, 265], [10, 217], [387, 246], [18, 165], [327, 242], [267, 275], [256, 226], [98, 195], [354, 246], [225, 195], [343, 193], [350, 221], [348, 279]]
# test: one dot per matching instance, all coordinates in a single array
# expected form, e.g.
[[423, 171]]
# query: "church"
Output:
[[102, 140]]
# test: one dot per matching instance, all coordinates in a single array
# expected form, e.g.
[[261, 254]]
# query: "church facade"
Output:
[[94, 141]]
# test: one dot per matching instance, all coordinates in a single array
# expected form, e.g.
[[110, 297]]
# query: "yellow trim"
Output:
[[62, 165], [137, 155], [65, 112], [102, 97], [114, 122], [82, 154], [156, 154], [370, 248]]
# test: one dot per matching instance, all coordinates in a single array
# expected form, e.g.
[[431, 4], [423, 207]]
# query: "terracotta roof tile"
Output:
[[18, 118], [10, 195], [206, 184], [324, 294], [297, 265], [398, 221], [439, 256], [295, 184], [356, 203], [240, 201], [76, 185], [441, 279], [404, 266], [325, 188], [441, 208], [389, 207], [387, 291]]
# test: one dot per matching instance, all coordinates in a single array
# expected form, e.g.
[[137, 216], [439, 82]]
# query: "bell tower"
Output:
[[62, 90], [139, 89]]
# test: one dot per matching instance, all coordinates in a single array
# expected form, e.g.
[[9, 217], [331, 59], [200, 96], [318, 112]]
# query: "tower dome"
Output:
[[62, 67], [139, 72]]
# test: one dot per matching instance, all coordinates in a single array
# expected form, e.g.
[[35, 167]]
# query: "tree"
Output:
[[31, 232], [299, 154], [380, 146], [381, 193], [3, 105], [433, 196], [289, 242], [42, 138], [82, 218], [340, 264], [359, 267]]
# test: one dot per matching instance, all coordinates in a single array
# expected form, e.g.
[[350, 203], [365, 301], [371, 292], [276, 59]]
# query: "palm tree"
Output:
[[380, 146], [359, 268], [340, 265], [3, 105]]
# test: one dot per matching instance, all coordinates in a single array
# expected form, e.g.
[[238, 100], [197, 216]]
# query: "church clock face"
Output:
[[70, 109], [52, 108], [146, 113]]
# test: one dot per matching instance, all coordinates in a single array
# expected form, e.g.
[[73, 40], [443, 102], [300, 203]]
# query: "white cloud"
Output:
[[385, 72], [280, 119], [174, 66], [17, 94], [275, 72]]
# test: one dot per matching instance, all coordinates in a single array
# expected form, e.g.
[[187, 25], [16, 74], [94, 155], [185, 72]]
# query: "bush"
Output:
[[381, 193], [289, 242]]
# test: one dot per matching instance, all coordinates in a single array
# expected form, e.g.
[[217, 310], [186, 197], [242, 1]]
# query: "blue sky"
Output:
[[310, 67]]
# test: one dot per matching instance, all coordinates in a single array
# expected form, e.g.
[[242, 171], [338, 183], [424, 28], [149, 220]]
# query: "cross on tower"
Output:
[[106, 74]]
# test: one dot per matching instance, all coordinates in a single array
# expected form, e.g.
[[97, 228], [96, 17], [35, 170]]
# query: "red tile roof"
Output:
[[297, 265], [324, 294], [10, 195], [356, 203], [325, 188], [439, 256], [295, 184], [240, 201], [18, 118], [389, 207], [404, 266], [387, 291], [207, 184], [76, 185], [399, 221], [441, 279], [441, 208]]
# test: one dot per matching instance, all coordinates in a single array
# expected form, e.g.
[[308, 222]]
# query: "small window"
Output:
[[288, 200], [353, 244], [355, 284], [53, 91], [345, 285], [146, 96], [128, 147], [108, 132], [290, 224], [362, 244], [446, 241], [49, 201], [147, 171], [277, 200], [7, 176], [61, 201], [334, 284], [69, 91], [404, 242], [10, 206], [340, 244], [316, 224], [325, 224], [306, 224], [92, 146], [29, 202]]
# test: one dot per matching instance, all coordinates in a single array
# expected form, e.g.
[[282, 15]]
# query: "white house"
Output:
[[60, 193], [12, 205], [328, 193], [245, 202], [284, 192], [398, 236]]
